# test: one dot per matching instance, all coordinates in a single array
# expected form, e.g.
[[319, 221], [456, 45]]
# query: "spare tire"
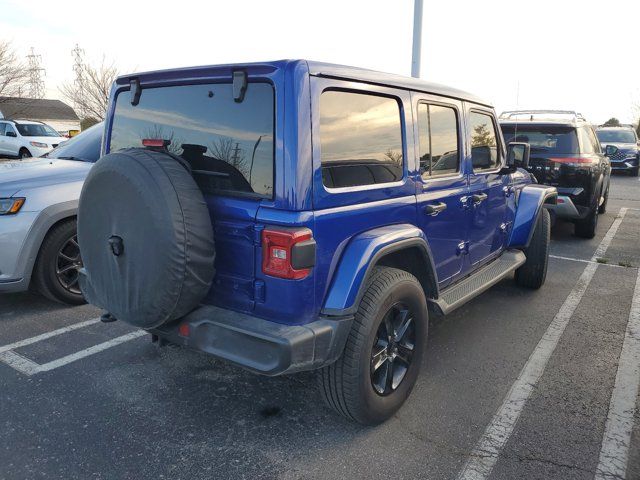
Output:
[[145, 237]]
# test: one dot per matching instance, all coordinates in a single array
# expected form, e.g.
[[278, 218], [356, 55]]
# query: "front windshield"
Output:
[[616, 136], [84, 147], [36, 130]]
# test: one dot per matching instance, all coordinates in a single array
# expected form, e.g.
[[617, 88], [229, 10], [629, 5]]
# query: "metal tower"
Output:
[[79, 81], [36, 72]]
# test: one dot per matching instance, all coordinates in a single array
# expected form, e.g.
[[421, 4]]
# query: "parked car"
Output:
[[26, 138], [38, 205], [625, 148], [566, 154], [289, 216]]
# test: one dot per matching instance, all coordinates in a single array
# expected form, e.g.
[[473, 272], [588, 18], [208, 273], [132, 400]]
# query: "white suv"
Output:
[[25, 138]]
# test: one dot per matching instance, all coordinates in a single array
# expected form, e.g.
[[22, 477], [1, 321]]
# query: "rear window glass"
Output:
[[229, 145], [616, 136], [543, 138], [361, 139]]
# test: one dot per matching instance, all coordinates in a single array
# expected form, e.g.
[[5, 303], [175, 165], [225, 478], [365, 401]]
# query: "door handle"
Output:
[[435, 208], [478, 198]]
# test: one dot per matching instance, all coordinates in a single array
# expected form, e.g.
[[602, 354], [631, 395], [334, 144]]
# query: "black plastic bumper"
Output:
[[259, 345]]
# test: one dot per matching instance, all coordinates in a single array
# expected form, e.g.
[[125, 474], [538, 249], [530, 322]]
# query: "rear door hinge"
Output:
[[257, 234], [258, 291]]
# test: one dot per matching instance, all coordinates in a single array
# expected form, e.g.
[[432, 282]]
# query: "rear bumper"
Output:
[[259, 345], [565, 206]]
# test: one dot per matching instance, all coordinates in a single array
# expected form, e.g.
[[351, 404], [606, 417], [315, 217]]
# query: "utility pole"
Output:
[[235, 158], [78, 68], [36, 84], [417, 38]]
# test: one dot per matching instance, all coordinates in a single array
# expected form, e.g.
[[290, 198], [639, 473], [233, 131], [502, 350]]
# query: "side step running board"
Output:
[[464, 290]]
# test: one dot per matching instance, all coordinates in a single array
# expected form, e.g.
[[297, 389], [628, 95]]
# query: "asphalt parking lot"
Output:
[[515, 384]]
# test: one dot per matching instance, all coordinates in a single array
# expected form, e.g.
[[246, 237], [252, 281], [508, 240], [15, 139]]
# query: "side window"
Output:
[[484, 142], [8, 128], [594, 141], [586, 145], [2, 129], [438, 133], [360, 139]]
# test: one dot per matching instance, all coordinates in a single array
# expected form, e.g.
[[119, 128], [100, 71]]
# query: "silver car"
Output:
[[38, 206]]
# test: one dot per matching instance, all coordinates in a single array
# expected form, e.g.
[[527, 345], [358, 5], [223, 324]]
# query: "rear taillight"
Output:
[[575, 160], [288, 253], [155, 142]]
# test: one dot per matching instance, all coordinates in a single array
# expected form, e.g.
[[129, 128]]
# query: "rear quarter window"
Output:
[[360, 139], [229, 145]]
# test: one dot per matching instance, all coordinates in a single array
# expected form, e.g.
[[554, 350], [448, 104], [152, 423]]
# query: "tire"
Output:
[[349, 385], [59, 252], [634, 171], [533, 272], [146, 238], [586, 228], [603, 208], [24, 153]]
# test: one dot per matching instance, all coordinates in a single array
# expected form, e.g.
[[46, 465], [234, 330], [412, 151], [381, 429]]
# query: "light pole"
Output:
[[417, 38]]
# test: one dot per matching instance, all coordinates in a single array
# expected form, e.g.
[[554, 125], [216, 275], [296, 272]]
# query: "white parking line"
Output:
[[614, 453], [44, 336], [90, 351], [29, 367], [582, 260], [486, 452], [19, 363]]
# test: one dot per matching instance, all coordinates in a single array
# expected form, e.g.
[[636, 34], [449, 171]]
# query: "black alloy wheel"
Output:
[[68, 265], [392, 350]]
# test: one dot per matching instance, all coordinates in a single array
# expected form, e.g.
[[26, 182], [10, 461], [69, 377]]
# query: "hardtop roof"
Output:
[[314, 68]]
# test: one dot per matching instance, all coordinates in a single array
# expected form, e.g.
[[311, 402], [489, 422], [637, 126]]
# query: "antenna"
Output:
[[36, 72], [79, 81]]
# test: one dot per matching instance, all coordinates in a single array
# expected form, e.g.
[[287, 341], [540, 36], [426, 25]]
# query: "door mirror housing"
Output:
[[610, 150], [518, 155], [11, 134]]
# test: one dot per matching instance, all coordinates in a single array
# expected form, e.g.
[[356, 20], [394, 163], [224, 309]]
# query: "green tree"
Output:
[[612, 122], [482, 136]]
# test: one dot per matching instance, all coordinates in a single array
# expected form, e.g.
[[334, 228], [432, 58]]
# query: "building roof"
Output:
[[36, 109]]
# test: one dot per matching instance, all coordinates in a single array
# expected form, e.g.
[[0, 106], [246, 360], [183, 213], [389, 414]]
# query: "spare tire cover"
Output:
[[145, 236]]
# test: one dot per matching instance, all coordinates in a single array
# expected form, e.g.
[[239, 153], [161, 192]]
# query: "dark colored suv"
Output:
[[566, 154], [624, 148], [292, 215]]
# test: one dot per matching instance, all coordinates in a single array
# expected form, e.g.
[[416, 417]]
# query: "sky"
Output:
[[559, 54]]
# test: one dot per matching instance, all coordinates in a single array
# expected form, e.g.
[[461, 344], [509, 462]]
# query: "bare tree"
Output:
[[93, 97], [227, 149], [14, 74]]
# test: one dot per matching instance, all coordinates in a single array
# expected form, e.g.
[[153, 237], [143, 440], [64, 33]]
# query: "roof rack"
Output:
[[541, 113]]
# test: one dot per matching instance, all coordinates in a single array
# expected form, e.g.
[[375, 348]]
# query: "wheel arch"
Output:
[[530, 202], [48, 219], [400, 246]]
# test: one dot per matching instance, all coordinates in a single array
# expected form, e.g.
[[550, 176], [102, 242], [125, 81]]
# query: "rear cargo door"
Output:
[[228, 144], [550, 146]]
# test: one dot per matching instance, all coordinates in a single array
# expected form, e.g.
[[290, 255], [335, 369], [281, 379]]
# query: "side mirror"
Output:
[[11, 134], [610, 150], [518, 155]]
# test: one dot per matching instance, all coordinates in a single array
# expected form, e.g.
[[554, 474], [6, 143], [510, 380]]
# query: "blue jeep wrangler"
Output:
[[292, 215]]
